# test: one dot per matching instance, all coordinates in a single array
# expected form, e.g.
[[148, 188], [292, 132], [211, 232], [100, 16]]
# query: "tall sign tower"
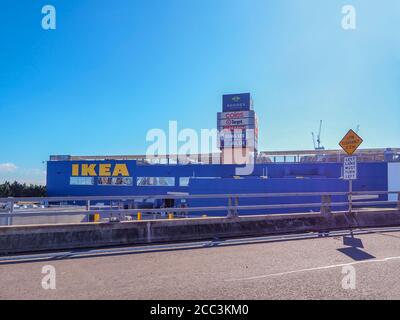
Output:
[[238, 129]]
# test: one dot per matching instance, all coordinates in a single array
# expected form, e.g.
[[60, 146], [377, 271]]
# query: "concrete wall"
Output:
[[3, 221], [56, 237], [47, 218]]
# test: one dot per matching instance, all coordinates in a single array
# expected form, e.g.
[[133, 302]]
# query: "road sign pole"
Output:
[[350, 174], [350, 196]]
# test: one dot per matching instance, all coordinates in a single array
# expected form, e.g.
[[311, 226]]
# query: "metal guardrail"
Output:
[[354, 199], [187, 196]]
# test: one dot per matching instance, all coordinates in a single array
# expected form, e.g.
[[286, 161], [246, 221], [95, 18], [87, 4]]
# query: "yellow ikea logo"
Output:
[[100, 170]]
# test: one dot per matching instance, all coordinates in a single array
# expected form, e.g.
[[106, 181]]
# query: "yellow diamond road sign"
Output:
[[351, 142]]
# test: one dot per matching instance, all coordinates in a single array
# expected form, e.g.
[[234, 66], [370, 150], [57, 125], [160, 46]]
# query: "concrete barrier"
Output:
[[46, 218], [18, 239]]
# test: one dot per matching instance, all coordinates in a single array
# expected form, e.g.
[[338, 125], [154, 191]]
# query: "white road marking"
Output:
[[315, 269]]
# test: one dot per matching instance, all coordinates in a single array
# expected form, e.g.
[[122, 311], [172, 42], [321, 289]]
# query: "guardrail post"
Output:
[[233, 202], [236, 212], [398, 200], [229, 207], [326, 201], [350, 196], [88, 210], [9, 219]]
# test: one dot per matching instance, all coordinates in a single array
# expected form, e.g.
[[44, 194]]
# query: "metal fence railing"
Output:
[[118, 208]]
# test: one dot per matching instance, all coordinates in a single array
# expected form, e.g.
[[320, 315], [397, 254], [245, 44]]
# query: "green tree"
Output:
[[17, 189]]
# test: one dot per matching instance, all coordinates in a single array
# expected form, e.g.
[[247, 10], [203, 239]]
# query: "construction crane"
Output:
[[318, 146]]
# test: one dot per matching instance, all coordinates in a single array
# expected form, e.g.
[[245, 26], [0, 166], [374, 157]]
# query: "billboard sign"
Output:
[[236, 102], [236, 122], [237, 134], [236, 115], [233, 134], [241, 143], [234, 144], [236, 127], [237, 138]]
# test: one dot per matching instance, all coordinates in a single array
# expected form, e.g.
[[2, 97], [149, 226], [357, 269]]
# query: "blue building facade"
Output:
[[127, 177]]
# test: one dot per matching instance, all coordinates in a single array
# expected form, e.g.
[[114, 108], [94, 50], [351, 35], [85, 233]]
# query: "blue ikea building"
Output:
[[130, 177]]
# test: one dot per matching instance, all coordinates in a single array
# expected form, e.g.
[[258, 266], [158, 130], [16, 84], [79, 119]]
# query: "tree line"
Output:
[[17, 189]]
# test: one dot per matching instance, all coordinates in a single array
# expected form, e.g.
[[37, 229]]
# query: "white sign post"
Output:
[[350, 174]]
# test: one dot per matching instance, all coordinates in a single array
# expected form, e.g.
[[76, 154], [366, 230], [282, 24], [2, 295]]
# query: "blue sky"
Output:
[[113, 70]]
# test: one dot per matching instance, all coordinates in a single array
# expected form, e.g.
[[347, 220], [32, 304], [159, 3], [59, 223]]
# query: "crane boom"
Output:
[[313, 138], [318, 146]]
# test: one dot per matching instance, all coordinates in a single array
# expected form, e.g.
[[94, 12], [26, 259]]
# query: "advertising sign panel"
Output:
[[233, 144], [237, 134], [235, 127], [233, 134], [236, 122], [238, 143], [236, 115], [237, 138], [236, 102]]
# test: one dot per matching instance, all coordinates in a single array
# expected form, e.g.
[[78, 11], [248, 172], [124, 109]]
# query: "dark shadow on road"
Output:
[[350, 241], [356, 254], [353, 250]]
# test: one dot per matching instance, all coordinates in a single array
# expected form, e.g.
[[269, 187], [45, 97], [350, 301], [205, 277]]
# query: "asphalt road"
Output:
[[260, 268]]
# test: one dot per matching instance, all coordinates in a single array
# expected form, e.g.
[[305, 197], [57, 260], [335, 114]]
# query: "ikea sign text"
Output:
[[100, 170]]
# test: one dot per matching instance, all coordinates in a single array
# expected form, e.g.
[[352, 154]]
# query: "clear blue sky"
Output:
[[112, 70]]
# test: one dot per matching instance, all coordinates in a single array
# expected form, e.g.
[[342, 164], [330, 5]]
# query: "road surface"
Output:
[[288, 267]]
